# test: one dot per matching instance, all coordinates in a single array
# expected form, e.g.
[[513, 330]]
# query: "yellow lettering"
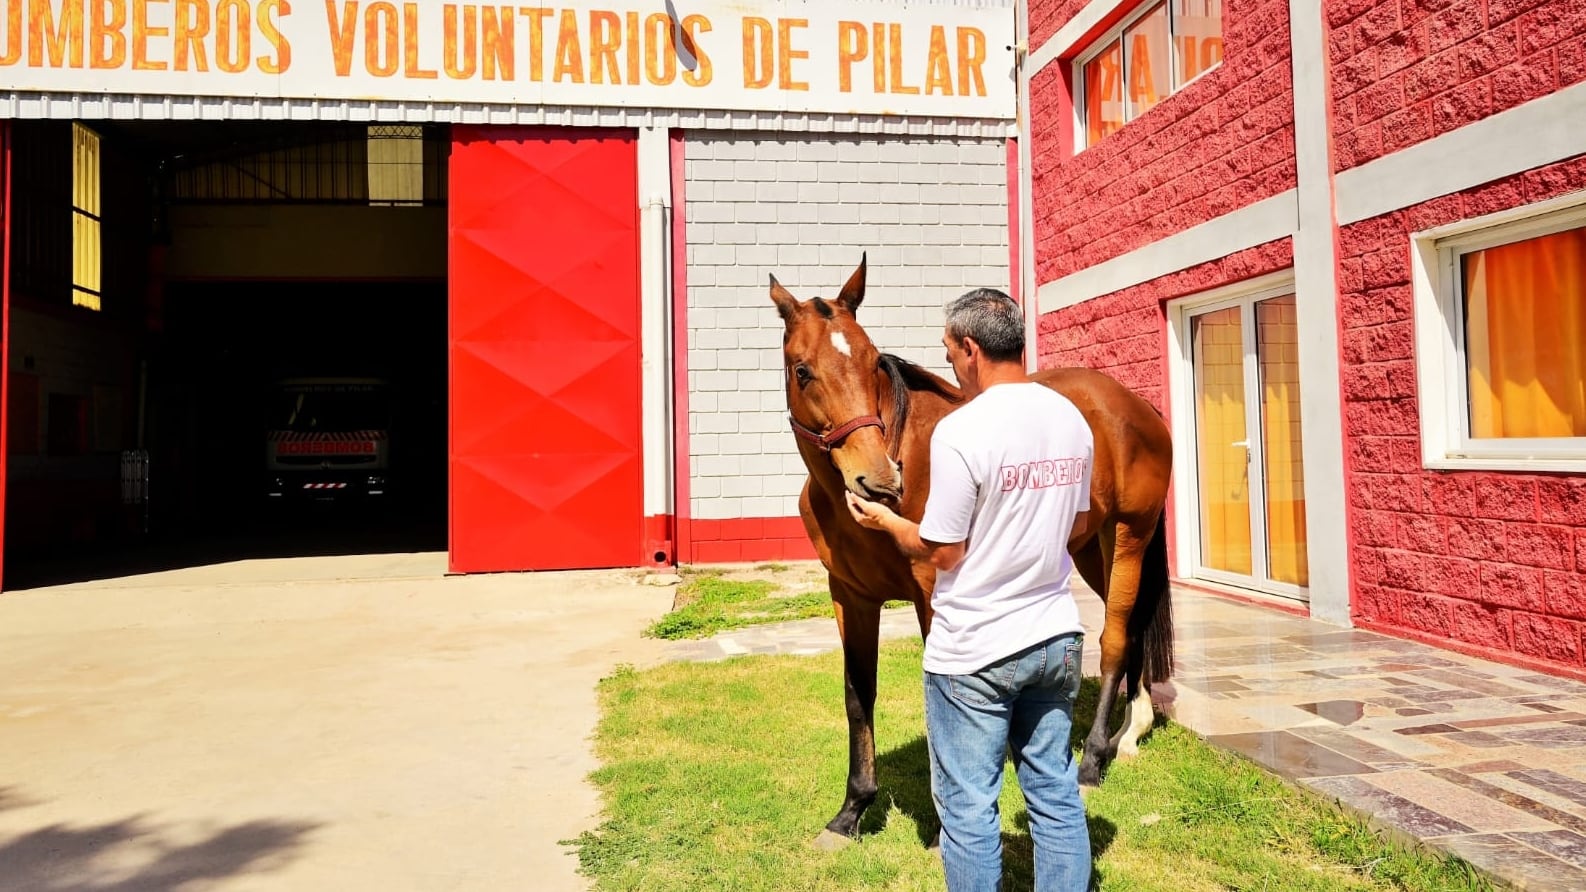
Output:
[[785, 54], [107, 45], [938, 73], [853, 44], [971, 57], [701, 73], [272, 35], [499, 33], [342, 33], [141, 32], [410, 44], [895, 60], [381, 55], [233, 34], [569, 52], [192, 26], [13, 51], [757, 58], [536, 17], [605, 38], [660, 56], [449, 42], [63, 41]]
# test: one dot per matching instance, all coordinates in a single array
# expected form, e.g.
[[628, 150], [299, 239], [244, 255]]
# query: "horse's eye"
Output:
[[802, 373]]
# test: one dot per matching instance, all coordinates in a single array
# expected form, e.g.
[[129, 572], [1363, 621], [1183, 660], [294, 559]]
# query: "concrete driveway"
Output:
[[330, 723]]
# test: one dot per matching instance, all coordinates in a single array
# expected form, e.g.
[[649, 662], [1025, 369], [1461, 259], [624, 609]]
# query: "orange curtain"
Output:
[[1277, 352], [1104, 94], [1146, 42], [1525, 322], [1217, 351]]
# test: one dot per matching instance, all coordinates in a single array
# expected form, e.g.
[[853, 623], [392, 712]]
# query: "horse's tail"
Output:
[[1151, 620]]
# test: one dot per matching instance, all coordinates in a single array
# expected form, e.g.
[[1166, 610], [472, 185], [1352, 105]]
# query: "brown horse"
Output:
[[863, 422]]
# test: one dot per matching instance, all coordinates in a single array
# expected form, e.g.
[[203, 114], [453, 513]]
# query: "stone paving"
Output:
[[1475, 757]]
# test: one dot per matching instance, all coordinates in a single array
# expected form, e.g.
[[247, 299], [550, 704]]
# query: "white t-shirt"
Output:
[[1009, 470]]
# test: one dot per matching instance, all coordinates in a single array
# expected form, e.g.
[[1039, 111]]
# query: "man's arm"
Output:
[[906, 533], [1081, 527]]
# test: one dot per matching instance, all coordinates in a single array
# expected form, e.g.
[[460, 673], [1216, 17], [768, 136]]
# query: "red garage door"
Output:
[[545, 376]]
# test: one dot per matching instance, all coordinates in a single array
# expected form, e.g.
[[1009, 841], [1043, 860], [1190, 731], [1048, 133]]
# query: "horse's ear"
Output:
[[786, 303], [853, 293]]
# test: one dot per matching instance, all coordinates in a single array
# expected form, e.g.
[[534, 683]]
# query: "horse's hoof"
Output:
[[936, 843], [1126, 752], [828, 841]]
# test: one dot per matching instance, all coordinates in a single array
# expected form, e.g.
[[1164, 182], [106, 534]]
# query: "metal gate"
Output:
[[545, 454]]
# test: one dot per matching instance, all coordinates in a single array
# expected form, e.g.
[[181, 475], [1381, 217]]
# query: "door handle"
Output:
[[1242, 444]]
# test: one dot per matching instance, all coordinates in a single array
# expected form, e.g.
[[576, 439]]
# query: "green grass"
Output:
[[718, 604], [718, 776], [715, 604]]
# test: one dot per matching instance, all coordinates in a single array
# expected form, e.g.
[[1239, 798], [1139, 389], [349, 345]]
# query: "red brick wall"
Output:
[[1223, 142], [1046, 16], [1122, 334], [1491, 559], [1406, 70], [747, 539]]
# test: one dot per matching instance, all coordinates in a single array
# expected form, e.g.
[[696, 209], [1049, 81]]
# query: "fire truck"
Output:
[[328, 439]]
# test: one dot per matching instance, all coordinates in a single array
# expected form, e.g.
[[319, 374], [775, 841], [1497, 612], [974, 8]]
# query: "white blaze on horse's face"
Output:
[[840, 341]]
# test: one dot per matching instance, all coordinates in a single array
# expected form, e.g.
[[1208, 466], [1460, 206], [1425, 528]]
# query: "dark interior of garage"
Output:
[[227, 341]]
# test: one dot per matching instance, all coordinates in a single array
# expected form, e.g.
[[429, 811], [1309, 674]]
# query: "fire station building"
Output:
[[542, 233], [1342, 247]]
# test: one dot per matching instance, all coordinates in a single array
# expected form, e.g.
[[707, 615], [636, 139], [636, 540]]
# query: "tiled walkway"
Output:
[[1480, 758]]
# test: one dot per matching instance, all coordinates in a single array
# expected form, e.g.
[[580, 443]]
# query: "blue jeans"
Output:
[[1023, 704]]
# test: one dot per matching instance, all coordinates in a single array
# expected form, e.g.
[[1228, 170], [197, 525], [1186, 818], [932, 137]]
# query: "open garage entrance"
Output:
[[227, 340]]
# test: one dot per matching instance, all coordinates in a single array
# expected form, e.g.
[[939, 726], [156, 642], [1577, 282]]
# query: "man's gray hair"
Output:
[[992, 319]]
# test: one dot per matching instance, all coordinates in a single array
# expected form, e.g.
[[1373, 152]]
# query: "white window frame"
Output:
[[1186, 467], [1442, 377], [1099, 45]]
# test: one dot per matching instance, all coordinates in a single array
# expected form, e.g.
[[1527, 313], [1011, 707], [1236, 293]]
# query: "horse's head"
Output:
[[834, 385]]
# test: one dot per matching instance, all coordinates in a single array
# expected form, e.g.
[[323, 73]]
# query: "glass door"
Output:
[[1250, 479]]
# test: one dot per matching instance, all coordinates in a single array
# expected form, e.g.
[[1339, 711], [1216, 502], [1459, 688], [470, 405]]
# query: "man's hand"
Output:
[[906, 533], [868, 514]]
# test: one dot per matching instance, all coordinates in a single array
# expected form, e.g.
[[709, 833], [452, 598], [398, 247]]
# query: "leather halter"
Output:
[[834, 438]]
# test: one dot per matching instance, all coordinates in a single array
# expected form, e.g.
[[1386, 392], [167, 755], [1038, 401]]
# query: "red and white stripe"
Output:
[[324, 486]]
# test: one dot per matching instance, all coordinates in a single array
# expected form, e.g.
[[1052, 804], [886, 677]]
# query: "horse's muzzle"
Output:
[[888, 495]]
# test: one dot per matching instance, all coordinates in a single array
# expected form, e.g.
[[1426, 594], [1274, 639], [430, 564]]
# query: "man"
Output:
[[1010, 482]]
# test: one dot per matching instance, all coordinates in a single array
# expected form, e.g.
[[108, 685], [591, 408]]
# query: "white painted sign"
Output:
[[822, 56]]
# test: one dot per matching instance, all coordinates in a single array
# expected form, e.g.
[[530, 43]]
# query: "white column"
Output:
[[655, 315], [1316, 307]]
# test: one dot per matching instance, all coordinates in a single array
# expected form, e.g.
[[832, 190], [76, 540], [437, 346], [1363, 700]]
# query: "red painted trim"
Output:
[[732, 540], [1016, 279], [658, 541], [5, 328], [1506, 657], [1067, 124], [682, 524]]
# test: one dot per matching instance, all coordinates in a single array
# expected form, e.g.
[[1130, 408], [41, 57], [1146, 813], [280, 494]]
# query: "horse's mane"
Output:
[[908, 377]]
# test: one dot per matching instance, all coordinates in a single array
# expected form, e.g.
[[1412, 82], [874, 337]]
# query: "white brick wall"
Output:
[[933, 217]]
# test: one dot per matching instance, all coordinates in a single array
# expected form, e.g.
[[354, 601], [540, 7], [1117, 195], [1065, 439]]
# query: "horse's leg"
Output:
[[859, 626], [1088, 561], [1150, 656], [1123, 583]]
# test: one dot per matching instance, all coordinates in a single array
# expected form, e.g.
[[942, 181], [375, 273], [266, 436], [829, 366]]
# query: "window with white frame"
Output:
[[1501, 325], [1154, 52]]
